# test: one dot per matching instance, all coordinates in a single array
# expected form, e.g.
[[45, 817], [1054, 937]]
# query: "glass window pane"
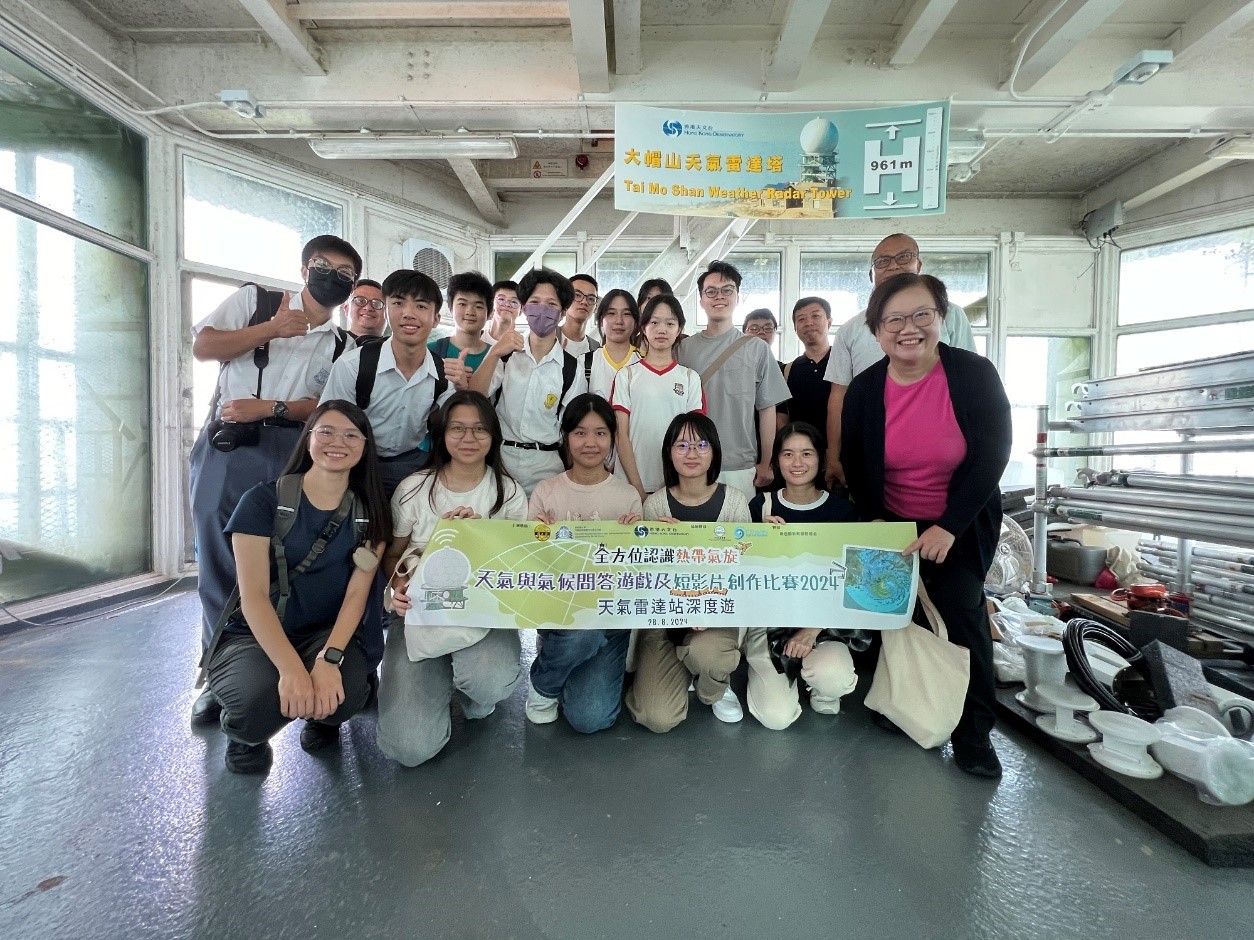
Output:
[[966, 279], [1191, 277], [64, 153], [235, 221], [505, 263], [1041, 370], [622, 269], [759, 287], [1162, 347], [75, 501]]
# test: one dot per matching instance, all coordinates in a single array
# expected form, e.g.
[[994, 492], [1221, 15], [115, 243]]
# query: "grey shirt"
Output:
[[855, 349], [745, 384]]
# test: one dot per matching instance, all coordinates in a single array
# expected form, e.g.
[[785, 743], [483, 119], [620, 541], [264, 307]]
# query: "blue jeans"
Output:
[[584, 669]]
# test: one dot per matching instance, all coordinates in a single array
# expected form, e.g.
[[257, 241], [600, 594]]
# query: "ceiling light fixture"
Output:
[[242, 102], [963, 172], [415, 148], [1142, 67]]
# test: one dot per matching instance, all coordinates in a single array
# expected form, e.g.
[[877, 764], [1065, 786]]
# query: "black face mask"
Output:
[[328, 288]]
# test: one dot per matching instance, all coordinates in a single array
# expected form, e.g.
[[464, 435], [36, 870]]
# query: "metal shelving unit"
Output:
[[1209, 404]]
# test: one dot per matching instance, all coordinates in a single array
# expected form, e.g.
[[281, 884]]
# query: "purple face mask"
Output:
[[542, 319]]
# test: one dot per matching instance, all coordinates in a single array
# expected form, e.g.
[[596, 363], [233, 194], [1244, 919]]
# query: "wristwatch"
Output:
[[280, 409], [332, 656]]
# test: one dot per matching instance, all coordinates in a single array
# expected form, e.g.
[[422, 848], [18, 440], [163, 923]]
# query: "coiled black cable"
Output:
[[1073, 637]]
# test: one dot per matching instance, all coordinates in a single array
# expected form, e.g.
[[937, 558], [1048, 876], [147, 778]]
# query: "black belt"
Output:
[[527, 445], [281, 423]]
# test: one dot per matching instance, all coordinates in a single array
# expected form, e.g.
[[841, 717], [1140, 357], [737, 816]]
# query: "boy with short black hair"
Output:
[[505, 307], [469, 295], [397, 383], [531, 379], [583, 303]]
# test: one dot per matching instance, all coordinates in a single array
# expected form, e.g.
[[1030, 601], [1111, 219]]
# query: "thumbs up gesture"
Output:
[[288, 322], [457, 372]]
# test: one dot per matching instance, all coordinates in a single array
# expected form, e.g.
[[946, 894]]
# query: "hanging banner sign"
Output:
[[876, 163], [601, 575]]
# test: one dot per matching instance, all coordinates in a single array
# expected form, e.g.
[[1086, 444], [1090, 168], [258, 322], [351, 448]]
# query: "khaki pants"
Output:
[[658, 699]]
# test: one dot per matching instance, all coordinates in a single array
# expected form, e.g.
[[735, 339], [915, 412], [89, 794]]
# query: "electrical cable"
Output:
[[1073, 639], [95, 614]]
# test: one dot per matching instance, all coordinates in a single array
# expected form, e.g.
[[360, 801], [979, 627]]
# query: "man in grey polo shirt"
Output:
[[855, 348], [742, 394]]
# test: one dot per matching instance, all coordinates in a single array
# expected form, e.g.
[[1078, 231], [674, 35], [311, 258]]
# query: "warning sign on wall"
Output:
[[550, 169]]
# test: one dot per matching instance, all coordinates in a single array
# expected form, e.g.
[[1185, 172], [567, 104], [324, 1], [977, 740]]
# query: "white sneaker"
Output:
[[540, 708], [728, 708], [825, 706]]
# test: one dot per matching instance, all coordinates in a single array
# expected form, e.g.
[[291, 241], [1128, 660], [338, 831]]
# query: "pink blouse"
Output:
[[923, 446]]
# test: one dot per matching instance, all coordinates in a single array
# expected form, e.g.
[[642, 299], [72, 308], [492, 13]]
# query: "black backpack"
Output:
[[570, 366], [368, 371]]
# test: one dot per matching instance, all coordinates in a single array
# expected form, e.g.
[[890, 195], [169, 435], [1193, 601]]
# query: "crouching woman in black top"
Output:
[[306, 655]]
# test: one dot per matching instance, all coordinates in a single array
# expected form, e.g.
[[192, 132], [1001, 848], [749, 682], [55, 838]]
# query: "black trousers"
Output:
[[246, 682], [958, 593]]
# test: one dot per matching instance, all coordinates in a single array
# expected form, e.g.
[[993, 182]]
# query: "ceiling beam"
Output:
[[272, 16], [1075, 21], [926, 17], [1216, 21], [796, 39], [484, 199], [592, 55], [628, 57], [1158, 175], [480, 11]]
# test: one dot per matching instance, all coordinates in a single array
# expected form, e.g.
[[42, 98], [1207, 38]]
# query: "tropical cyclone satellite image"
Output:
[[877, 580]]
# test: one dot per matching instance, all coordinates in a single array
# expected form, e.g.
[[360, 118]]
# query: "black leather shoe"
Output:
[[316, 736], [886, 723], [206, 710], [248, 758], [976, 758]]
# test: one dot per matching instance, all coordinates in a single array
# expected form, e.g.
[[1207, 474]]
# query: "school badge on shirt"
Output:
[[678, 388], [550, 400]]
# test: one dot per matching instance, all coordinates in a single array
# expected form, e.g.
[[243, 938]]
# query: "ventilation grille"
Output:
[[434, 263]]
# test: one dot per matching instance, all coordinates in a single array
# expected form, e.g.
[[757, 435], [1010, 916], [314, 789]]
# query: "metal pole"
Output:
[[605, 245], [1208, 528], [1040, 516], [1185, 546], [561, 227], [1209, 617], [1181, 502], [1241, 559], [1242, 488], [1166, 447]]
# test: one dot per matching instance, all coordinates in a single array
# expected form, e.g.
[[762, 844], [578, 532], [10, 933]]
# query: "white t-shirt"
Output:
[[399, 407], [414, 517], [652, 399], [528, 406], [604, 369], [299, 365]]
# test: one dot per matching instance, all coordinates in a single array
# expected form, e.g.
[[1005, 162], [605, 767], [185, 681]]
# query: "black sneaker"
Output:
[[976, 758], [206, 710], [316, 736], [248, 758]]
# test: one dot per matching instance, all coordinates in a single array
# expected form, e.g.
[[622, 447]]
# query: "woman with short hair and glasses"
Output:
[[307, 654], [423, 667], [925, 437]]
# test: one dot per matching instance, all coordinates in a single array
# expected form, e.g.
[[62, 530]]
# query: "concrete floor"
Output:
[[117, 821]]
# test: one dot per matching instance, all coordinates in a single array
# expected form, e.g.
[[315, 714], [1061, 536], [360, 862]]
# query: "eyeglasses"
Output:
[[477, 431], [328, 434], [923, 317], [684, 448], [507, 303], [713, 293], [759, 328], [586, 298], [900, 259], [323, 266], [364, 302]]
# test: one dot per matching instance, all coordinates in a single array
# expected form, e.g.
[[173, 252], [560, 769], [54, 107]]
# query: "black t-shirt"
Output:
[[809, 391], [316, 595], [828, 509], [706, 512]]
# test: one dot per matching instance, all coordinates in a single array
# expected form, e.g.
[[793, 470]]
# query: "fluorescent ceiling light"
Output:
[[414, 148], [1232, 148]]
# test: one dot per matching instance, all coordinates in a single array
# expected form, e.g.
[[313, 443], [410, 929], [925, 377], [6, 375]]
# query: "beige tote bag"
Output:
[[921, 679]]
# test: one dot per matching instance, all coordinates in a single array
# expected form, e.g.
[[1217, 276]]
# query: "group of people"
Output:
[[331, 455]]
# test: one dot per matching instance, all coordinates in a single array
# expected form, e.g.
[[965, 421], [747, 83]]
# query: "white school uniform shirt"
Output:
[[398, 406], [299, 365], [855, 348], [604, 369], [652, 399], [532, 391]]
